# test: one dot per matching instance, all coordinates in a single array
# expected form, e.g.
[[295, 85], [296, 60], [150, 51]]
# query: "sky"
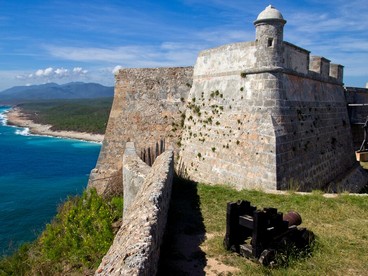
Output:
[[65, 41]]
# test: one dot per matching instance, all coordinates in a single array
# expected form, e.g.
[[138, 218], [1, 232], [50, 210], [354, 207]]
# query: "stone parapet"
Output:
[[136, 247], [134, 174]]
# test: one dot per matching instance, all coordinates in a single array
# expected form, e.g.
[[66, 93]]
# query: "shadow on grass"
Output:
[[181, 253]]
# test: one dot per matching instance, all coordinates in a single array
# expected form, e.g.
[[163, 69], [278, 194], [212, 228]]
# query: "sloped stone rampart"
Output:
[[148, 106], [136, 247]]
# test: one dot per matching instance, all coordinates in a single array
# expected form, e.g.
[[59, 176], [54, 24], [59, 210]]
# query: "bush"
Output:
[[75, 241]]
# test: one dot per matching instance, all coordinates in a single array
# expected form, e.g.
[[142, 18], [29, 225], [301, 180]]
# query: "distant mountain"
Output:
[[49, 91]]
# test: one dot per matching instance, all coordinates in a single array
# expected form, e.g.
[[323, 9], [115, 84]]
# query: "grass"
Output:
[[84, 115], [340, 225], [73, 243]]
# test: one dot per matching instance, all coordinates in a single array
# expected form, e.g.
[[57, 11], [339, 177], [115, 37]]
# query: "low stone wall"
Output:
[[136, 247], [134, 174]]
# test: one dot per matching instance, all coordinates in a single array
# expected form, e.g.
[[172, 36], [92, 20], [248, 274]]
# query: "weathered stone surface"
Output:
[[148, 107], [260, 114], [136, 247], [134, 174], [267, 115]]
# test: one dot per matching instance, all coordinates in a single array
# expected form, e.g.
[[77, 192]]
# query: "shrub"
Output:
[[75, 241]]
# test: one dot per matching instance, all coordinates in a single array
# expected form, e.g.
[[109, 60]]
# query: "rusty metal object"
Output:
[[293, 218], [260, 234]]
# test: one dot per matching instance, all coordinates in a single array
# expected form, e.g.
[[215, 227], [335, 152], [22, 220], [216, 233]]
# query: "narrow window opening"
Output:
[[270, 42]]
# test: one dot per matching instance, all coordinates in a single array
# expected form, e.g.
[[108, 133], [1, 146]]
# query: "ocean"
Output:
[[37, 173]]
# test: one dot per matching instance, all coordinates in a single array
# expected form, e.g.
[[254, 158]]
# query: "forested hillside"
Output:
[[82, 115]]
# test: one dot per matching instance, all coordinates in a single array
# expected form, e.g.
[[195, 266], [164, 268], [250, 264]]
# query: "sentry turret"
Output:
[[269, 37]]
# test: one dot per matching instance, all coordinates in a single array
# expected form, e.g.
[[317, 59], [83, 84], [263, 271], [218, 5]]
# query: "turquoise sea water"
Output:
[[37, 173]]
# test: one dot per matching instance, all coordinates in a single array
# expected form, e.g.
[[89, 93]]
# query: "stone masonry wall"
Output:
[[148, 107], [136, 247], [314, 143], [261, 114], [252, 125], [228, 132]]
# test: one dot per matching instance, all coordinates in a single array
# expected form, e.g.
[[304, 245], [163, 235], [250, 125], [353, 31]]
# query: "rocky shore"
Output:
[[17, 118]]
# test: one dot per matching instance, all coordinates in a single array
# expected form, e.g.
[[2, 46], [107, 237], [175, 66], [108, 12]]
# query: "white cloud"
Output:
[[79, 71], [52, 75], [165, 54], [48, 71], [61, 72], [43, 73], [39, 73], [20, 77]]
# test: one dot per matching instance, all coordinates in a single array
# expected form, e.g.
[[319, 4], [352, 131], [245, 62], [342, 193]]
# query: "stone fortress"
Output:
[[260, 114]]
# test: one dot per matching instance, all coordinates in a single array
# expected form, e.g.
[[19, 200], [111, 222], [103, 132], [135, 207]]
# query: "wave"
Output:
[[23, 131], [3, 119]]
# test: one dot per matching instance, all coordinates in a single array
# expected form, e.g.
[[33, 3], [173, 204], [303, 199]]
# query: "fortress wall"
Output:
[[320, 65], [314, 142], [296, 58], [269, 127], [136, 247], [259, 114], [148, 107], [226, 59], [228, 135]]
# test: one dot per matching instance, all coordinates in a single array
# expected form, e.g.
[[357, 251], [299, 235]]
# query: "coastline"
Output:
[[15, 117]]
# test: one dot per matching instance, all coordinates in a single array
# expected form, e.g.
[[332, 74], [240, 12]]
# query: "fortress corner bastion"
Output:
[[148, 107], [260, 114]]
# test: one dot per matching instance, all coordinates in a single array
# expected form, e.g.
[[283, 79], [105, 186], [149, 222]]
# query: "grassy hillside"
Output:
[[83, 115], [73, 244]]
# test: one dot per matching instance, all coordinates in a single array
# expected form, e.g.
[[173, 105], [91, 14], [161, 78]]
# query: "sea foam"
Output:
[[23, 131], [3, 119]]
